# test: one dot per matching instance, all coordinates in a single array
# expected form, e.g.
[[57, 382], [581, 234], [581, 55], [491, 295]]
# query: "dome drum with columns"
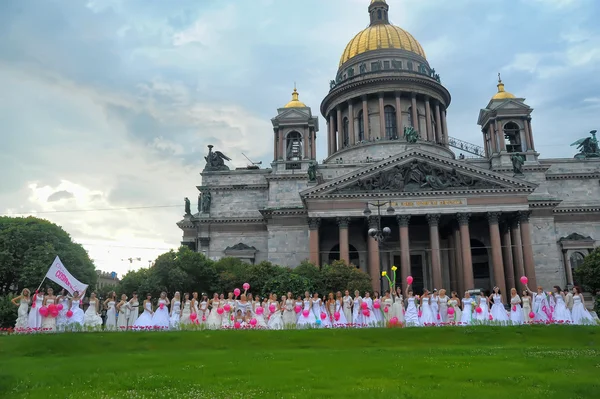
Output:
[[457, 222]]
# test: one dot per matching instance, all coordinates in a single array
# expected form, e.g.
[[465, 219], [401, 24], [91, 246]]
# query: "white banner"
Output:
[[61, 276]]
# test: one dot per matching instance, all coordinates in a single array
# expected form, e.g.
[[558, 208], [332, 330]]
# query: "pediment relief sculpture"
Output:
[[418, 176]]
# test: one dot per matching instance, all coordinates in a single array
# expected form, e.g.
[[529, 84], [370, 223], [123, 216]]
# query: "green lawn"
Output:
[[434, 363]]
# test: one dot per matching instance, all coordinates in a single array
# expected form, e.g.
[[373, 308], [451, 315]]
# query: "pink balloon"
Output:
[[438, 316], [162, 305], [385, 310], [420, 313], [43, 311], [336, 316], [259, 310], [365, 312], [69, 313], [376, 304], [237, 325], [272, 308], [231, 317], [193, 316], [203, 318], [491, 317], [478, 309], [236, 292], [220, 311], [531, 315], [227, 307], [364, 305], [298, 309], [394, 321], [246, 286], [305, 312], [524, 280], [450, 311], [59, 307], [514, 308], [51, 307], [409, 280], [323, 315], [253, 322], [54, 312]]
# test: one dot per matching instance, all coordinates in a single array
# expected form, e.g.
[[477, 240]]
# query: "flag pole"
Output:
[[38, 288]]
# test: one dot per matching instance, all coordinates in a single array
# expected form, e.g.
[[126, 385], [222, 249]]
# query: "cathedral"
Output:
[[392, 191]]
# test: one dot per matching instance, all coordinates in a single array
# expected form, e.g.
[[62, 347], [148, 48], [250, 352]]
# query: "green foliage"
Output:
[[588, 274], [8, 312], [339, 276], [287, 282], [27, 248]]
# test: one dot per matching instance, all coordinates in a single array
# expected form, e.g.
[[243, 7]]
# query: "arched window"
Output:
[[361, 126], [379, 15], [512, 137], [576, 259], [293, 146], [346, 133], [391, 131]]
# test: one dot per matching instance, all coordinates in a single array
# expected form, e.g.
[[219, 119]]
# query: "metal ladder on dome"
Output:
[[466, 147]]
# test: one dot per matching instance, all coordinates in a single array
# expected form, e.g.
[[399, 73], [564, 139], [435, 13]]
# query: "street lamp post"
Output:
[[379, 234]]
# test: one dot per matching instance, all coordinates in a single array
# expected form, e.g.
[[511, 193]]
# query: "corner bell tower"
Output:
[[294, 135], [506, 128]]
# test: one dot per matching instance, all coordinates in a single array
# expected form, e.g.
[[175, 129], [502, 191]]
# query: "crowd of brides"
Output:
[[56, 313]]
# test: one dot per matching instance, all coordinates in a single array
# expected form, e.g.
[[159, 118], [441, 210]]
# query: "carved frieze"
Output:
[[418, 176]]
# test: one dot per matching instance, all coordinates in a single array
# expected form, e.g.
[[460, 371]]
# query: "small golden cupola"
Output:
[[295, 103], [502, 94]]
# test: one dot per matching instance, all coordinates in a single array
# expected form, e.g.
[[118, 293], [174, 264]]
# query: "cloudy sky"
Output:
[[109, 104]]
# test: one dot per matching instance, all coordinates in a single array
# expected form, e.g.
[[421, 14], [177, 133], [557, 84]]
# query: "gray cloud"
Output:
[[60, 195]]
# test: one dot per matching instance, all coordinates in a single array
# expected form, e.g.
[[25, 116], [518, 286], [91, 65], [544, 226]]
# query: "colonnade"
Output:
[[436, 129], [494, 137], [510, 239]]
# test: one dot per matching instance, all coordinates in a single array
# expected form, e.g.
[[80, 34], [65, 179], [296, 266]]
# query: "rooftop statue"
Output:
[[410, 134], [188, 211], [518, 160], [588, 147], [215, 161]]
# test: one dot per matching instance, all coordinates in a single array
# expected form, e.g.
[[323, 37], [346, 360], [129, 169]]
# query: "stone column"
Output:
[[306, 147], [398, 115], [527, 248], [452, 263], [332, 146], [444, 128], [509, 269], [403, 221], [438, 124], [343, 223], [459, 262], [365, 107], [498, 266], [527, 135], [493, 141], [415, 114], [313, 145], [340, 129], [351, 122], [381, 117], [281, 148], [313, 240], [373, 249], [275, 144], [434, 238], [465, 241], [430, 135], [517, 250], [500, 134], [530, 134], [568, 270]]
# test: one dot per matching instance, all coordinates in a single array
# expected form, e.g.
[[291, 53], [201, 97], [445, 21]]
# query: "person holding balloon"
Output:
[[35, 318], [275, 320], [526, 303], [50, 313], [75, 313], [411, 315], [516, 312], [541, 306], [63, 307], [259, 311], [213, 321], [467, 310], [289, 315]]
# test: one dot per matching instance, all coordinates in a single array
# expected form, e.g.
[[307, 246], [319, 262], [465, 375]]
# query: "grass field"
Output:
[[471, 362]]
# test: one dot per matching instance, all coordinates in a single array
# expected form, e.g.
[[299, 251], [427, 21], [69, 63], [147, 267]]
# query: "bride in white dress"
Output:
[[34, 320], [213, 320], [358, 319], [145, 319], [339, 309], [482, 316], [467, 310], [454, 303], [63, 303], [369, 319], [275, 321], [498, 311], [579, 313], [186, 311], [77, 316], [160, 318], [111, 312], [175, 318], [411, 316], [516, 312], [306, 319], [123, 316], [92, 319], [134, 309], [561, 314], [22, 301], [347, 306], [427, 317]]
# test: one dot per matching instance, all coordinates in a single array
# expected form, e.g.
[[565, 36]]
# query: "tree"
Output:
[[28, 247], [588, 274], [339, 276]]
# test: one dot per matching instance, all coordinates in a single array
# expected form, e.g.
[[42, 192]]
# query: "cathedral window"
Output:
[[409, 65], [512, 137], [410, 118], [375, 66], [294, 146], [379, 14], [386, 65], [346, 133], [361, 126], [391, 131]]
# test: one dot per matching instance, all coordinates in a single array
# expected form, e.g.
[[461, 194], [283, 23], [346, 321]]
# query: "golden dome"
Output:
[[502, 94], [381, 36], [295, 103]]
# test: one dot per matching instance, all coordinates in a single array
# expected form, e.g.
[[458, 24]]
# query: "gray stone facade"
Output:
[[285, 218]]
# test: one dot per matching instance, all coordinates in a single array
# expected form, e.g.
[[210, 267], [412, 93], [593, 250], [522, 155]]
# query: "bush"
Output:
[[8, 312], [588, 274]]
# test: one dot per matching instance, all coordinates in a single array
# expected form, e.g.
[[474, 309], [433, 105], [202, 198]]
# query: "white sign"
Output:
[[61, 276], [430, 203]]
